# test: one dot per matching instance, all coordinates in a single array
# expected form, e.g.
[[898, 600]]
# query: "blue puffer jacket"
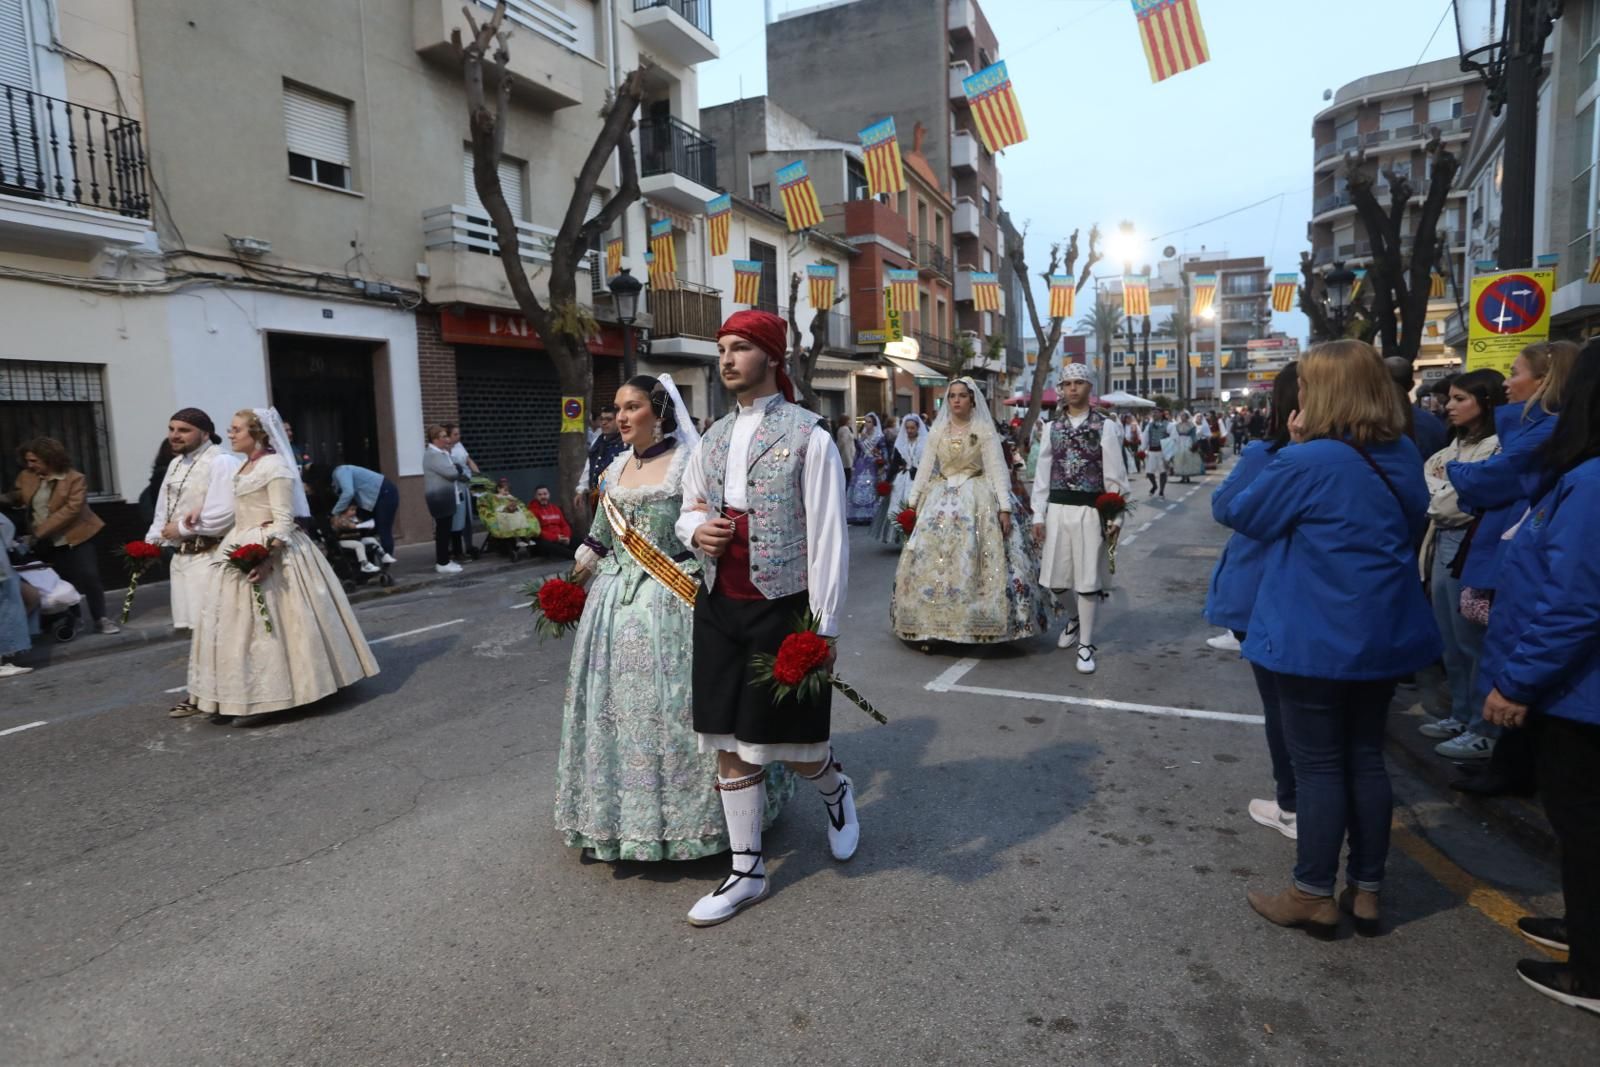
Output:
[[1500, 487], [1339, 595], [1238, 573], [1543, 644]]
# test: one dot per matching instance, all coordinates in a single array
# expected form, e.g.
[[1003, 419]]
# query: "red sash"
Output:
[[733, 569]]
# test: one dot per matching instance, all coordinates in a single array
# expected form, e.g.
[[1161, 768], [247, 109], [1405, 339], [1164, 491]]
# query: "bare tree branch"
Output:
[[1047, 339], [803, 357]]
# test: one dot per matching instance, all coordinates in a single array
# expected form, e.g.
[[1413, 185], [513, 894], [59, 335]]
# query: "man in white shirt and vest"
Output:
[[764, 508], [194, 509]]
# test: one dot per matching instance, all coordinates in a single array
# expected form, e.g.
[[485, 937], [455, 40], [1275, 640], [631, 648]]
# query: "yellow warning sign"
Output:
[[1510, 310]]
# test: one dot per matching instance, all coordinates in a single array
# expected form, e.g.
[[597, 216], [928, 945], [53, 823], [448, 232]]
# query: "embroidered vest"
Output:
[[775, 492], [1076, 463]]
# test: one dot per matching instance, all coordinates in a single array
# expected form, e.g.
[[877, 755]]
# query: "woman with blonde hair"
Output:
[[1340, 616]]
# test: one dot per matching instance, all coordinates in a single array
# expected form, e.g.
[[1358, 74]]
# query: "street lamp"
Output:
[[625, 298], [1338, 281], [1503, 40]]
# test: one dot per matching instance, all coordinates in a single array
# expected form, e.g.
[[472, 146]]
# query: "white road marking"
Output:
[[24, 726], [948, 682], [419, 630], [1172, 507], [1130, 539], [1143, 528], [176, 689]]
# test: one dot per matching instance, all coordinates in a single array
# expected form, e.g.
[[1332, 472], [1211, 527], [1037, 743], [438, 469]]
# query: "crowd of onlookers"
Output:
[[1372, 540]]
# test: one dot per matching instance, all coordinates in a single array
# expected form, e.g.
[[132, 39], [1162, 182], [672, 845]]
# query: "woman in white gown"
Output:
[[909, 445], [236, 667]]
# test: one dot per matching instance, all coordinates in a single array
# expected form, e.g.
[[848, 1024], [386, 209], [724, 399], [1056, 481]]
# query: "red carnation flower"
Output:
[[561, 601], [142, 551], [907, 520], [247, 557], [799, 655], [883, 488], [1110, 505]]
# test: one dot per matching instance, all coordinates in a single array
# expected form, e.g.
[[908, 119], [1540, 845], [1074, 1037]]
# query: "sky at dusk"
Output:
[[1105, 144]]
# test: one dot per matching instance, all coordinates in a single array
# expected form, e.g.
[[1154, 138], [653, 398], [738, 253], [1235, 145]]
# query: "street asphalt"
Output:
[[1052, 869]]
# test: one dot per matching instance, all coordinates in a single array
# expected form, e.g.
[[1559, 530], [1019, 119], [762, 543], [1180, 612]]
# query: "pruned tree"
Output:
[[1406, 250], [562, 323], [804, 355], [1048, 339]]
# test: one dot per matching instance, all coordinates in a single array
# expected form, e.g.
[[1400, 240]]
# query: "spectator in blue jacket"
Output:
[[1544, 644], [374, 496], [1232, 597], [1339, 618], [1500, 490]]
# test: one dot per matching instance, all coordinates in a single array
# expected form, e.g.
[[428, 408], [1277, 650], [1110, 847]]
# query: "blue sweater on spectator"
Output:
[[1500, 487], [1237, 574], [1339, 596], [1543, 644], [356, 485]]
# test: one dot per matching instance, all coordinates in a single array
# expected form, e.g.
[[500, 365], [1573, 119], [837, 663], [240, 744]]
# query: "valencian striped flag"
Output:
[[800, 205], [613, 257], [823, 278], [1435, 286], [747, 281], [1355, 287], [985, 291], [1594, 271], [1062, 293], [719, 216], [1284, 287], [995, 108], [886, 173], [661, 244], [1174, 40], [1135, 294], [659, 278], [903, 288], [1205, 292]]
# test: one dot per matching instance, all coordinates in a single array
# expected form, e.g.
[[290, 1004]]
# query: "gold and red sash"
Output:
[[655, 562]]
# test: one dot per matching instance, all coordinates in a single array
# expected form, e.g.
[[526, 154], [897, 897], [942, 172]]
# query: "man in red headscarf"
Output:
[[764, 509]]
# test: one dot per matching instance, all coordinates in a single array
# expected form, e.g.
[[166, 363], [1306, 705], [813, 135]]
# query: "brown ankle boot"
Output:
[[1318, 916], [1361, 906]]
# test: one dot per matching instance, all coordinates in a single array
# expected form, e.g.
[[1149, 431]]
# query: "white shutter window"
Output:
[[510, 184], [316, 126], [16, 47]]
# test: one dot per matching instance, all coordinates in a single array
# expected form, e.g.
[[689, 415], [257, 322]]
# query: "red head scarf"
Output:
[[767, 332]]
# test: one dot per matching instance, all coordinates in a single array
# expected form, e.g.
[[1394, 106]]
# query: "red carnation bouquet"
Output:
[[137, 557], [884, 488], [246, 559], [907, 520], [1112, 507], [557, 604], [799, 668]]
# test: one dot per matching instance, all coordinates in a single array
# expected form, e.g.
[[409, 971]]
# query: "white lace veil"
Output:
[[686, 433], [911, 454], [278, 438], [981, 424]]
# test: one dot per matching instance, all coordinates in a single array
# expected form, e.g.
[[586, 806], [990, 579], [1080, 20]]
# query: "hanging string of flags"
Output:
[[719, 218], [985, 291], [1173, 38], [747, 281], [1135, 294], [903, 289], [800, 204], [994, 108], [1205, 292], [880, 149], [1284, 287], [1063, 295], [613, 257], [823, 278]]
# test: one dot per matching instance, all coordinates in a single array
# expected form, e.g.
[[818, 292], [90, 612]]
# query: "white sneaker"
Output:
[[1442, 729], [737, 892], [1466, 745], [106, 626], [447, 568], [387, 559], [370, 568], [1069, 636], [844, 829], [1224, 642], [11, 670], [1085, 662], [1267, 813]]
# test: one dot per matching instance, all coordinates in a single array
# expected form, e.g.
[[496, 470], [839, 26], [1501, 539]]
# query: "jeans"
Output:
[[1277, 747], [1569, 785], [383, 512], [78, 565], [441, 539], [1334, 730], [1463, 639]]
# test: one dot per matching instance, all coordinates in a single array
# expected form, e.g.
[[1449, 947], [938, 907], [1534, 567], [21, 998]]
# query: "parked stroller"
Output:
[[58, 600], [511, 528], [352, 551]]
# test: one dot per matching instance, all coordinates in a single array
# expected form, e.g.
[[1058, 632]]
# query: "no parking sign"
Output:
[[572, 414], [1510, 310]]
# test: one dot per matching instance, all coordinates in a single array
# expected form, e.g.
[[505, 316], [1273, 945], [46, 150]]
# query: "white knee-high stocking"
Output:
[[1087, 603]]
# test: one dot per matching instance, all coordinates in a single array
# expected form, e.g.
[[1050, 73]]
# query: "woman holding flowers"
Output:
[[631, 782], [909, 445], [279, 632], [872, 453]]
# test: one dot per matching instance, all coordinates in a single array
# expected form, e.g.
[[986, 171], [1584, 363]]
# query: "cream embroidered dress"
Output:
[[631, 783], [315, 648]]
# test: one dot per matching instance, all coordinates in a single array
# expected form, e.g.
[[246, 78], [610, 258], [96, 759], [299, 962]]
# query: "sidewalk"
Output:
[[151, 621]]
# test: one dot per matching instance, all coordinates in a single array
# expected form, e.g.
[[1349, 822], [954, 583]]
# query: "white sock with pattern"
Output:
[[1086, 609]]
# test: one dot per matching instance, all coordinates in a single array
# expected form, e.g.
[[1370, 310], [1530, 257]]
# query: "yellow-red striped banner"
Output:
[[719, 216], [1205, 293], [985, 291], [1135, 294], [613, 257], [824, 278], [1435, 286], [661, 245], [1173, 38], [1284, 288], [1063, 294], [747, 281], [903, 288], [880, 150], [995, 110], [800, 204], [659, 278]]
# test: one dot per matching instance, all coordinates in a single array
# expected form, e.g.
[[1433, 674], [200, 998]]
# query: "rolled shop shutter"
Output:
[[316, 126]]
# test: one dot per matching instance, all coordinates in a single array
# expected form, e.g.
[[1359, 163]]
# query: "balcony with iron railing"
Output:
[[1332, 202], [681, 29], [931, 259], [677, 163], [72, 178], [552, 61], [937, 352]]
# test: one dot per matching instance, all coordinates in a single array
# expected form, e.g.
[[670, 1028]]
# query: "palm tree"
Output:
[[1181, 327], [1103, 320]]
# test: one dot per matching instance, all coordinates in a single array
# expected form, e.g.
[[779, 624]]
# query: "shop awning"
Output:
[[924, 374]]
